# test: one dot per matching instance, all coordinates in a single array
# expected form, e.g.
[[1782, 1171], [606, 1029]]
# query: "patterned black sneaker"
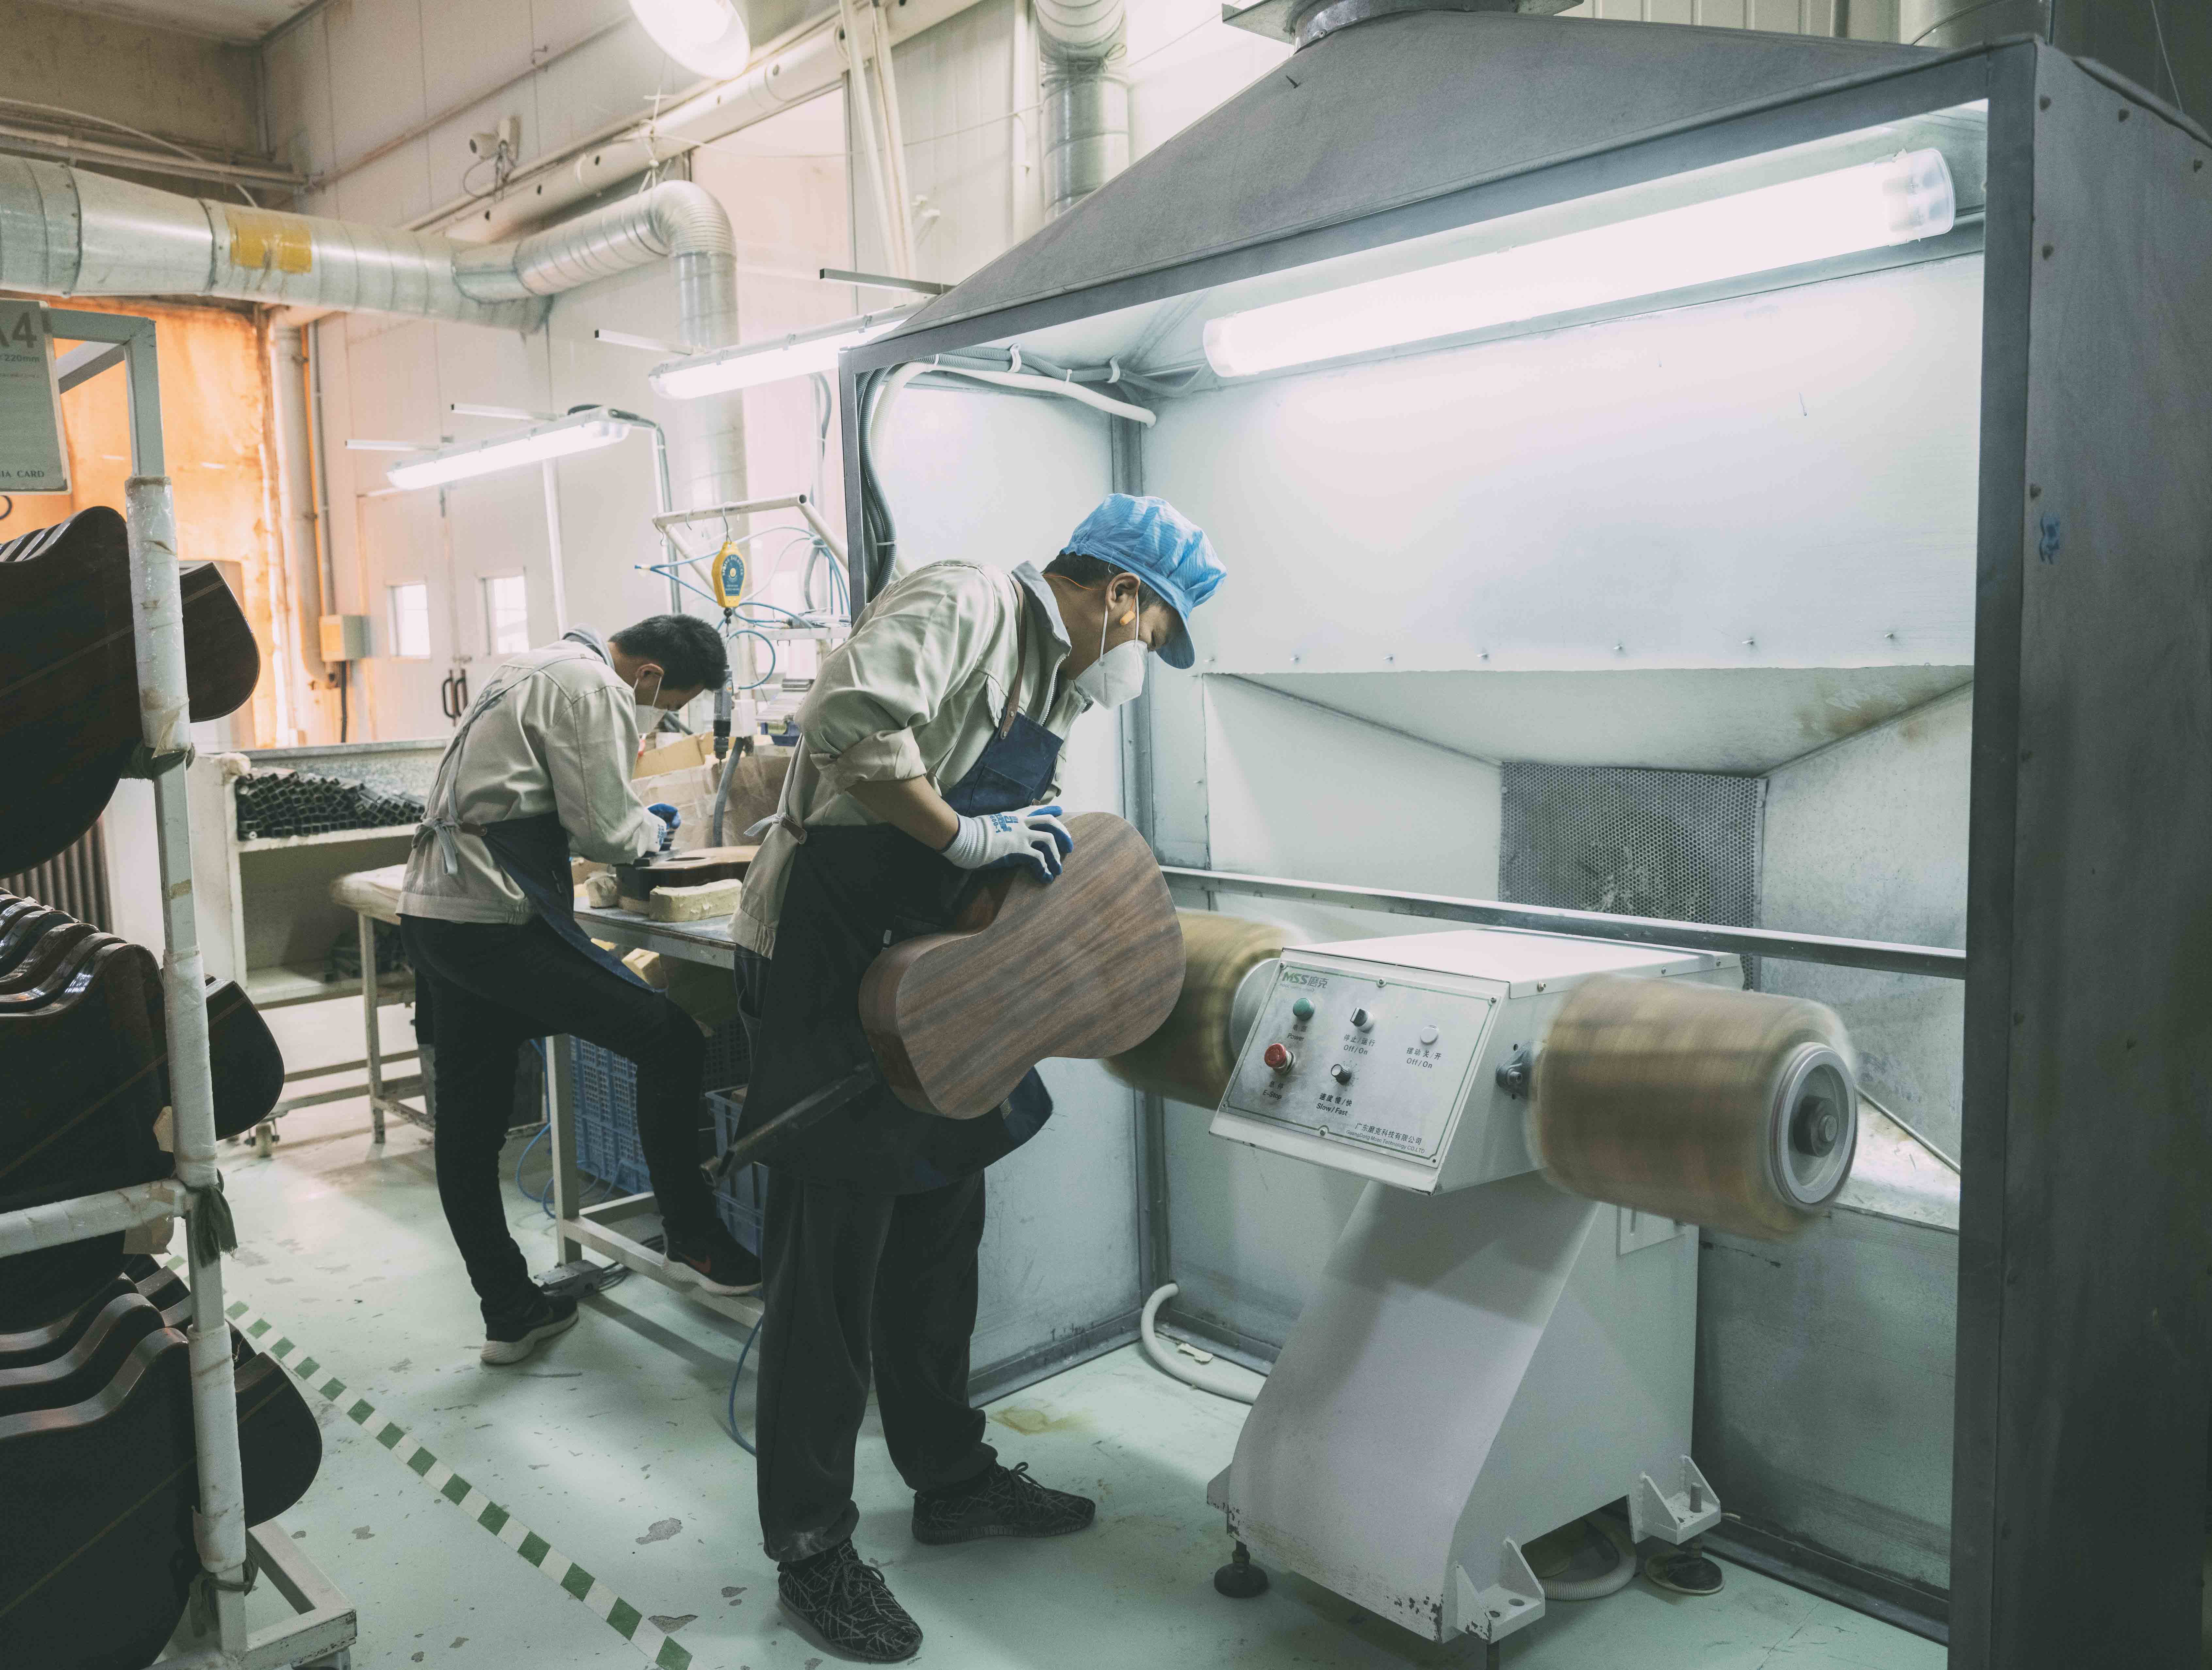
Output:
[[1006, 1503], [513, 1335], [844, 1603], [715, 1263]]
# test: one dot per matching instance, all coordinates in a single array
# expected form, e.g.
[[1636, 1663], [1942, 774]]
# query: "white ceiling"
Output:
[[230, 19]]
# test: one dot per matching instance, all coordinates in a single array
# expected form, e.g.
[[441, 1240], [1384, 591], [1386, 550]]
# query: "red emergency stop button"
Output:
[[1278, 1060]]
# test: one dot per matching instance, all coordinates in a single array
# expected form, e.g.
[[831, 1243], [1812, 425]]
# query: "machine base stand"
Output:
[[1684, 1571], [1240, 1580]]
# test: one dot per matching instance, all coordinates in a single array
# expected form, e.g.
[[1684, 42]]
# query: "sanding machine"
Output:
[[1503, 1340]]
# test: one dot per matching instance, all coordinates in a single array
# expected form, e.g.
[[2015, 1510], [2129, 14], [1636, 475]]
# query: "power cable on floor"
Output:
[[734, 1374]]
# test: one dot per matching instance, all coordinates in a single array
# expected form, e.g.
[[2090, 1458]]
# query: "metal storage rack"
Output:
[[321, 1632]]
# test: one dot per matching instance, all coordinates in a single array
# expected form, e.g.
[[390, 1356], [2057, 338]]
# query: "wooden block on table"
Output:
[[694, 904]]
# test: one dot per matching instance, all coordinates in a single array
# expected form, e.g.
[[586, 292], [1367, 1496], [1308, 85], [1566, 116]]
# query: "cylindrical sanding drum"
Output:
[[1190, 1058], [1734, 1110]]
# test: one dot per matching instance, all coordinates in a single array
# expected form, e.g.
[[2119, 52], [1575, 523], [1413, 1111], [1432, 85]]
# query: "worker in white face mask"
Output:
[[540, 763], [929, 750]]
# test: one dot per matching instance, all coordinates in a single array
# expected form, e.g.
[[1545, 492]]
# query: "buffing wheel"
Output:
[[1192, 1055], [1733, 1110]]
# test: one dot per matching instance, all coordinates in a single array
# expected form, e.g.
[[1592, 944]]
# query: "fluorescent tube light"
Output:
[[1895, 201], [580, 432], [708, 37], [800, 354]]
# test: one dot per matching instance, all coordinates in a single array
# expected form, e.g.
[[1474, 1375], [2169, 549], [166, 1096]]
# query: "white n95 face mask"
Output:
[[1118, 675], [646, 713]]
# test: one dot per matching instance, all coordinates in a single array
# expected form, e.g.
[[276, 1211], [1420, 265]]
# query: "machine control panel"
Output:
[[1384, 1064]]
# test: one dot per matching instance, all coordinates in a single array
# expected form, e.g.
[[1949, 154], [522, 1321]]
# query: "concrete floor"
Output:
[[610, 1447]]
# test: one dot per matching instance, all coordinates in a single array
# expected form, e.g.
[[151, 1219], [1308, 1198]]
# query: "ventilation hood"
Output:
[[1394, 110]]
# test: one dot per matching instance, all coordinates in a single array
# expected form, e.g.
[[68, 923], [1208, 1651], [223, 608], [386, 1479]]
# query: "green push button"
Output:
[[1301, 1010]]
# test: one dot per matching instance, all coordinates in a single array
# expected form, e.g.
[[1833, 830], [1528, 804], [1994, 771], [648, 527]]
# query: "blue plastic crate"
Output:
[[607, 1148], [742, 1197]]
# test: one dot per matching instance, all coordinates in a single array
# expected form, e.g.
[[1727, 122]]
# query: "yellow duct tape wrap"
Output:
[[1734, 1110], [1191, 1056]]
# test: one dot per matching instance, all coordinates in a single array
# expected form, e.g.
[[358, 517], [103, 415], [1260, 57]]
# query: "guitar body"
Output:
[[1087, 965], [68, 675], [96, 1503]]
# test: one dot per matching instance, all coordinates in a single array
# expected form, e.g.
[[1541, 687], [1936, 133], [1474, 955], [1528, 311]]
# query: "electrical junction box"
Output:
[[1380, 1057], [345, 637]]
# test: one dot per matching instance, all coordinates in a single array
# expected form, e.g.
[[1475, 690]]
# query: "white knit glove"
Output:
[[1033, 839]]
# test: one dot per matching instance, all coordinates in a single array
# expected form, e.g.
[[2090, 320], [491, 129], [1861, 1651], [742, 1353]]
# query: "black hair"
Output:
[[1095, 572], [690, 651]]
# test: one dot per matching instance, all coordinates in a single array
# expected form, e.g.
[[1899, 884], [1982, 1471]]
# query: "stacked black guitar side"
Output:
[[98, 1474]]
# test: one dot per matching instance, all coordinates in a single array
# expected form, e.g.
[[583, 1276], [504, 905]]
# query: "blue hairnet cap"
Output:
[[1154, 541]]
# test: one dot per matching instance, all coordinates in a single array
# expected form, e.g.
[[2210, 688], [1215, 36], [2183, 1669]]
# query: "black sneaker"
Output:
[[512, 1335], [1006, 1503], [715, 1263], [844, 1603]]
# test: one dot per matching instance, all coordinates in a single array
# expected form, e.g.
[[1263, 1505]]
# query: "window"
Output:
[[507, 614], [410, 619]]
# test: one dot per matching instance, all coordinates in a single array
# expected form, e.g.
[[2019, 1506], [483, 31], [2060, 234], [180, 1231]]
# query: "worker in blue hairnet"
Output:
[[929, 749]]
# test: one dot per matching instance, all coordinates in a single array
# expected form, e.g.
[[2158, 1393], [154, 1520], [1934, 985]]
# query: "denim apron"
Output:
[[854, 889]]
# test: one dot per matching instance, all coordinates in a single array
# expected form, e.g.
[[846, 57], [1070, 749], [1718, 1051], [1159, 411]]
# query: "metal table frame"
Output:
[[600, 1227]]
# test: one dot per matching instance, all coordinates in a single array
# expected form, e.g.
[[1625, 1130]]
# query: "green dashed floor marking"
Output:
[[662, 1650]]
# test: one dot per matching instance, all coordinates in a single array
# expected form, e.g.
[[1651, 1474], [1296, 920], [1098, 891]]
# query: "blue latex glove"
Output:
[[1033, 839], [670, 818]]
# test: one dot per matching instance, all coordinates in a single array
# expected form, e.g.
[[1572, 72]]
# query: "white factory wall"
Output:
[[388, 379], [90, 71]]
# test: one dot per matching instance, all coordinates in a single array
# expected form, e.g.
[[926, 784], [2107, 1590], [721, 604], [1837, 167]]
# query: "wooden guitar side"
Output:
[[69, 680], [1085, 966]]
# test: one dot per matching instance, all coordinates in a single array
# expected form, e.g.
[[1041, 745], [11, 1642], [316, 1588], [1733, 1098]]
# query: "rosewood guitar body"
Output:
[[1087, 965]]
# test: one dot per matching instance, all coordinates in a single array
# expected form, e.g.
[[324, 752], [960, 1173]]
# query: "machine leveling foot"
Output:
[[1240, 1580]]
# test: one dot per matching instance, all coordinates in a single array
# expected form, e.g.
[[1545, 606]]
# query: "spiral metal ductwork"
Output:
[[67, 231], [1086, 108], [677, 221]]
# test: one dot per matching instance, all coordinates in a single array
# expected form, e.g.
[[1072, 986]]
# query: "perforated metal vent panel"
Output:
[[1679, 844]]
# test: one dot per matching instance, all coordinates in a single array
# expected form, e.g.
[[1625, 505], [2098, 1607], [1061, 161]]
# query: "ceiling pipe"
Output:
[[67, 231], [1086, 108], [803, 64]]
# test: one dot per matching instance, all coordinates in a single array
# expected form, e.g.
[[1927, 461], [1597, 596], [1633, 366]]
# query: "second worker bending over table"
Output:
[[543, 759], [929, 749]]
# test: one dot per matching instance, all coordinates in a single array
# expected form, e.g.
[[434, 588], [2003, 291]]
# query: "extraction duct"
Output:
[[1086, 108], [66, 232]]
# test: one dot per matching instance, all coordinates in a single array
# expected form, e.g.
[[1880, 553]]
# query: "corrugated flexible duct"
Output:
[[1086, 109], [68, 232]]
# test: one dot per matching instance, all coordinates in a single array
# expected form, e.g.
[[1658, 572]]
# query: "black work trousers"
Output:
[[491, 988], [859, 1282]]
